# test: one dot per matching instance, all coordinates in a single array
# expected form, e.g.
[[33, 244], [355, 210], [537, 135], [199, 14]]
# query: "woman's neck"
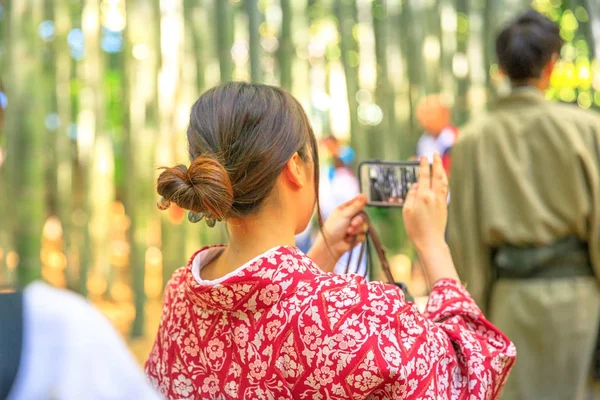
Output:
[[250, 237]]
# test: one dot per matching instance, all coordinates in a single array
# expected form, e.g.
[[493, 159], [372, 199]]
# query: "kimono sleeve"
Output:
[[450, 351], [484, 354], [159, 355], [470, 254]]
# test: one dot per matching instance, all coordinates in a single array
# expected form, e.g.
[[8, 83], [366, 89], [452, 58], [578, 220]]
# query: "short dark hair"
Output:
[[526, 45], [240, 137]]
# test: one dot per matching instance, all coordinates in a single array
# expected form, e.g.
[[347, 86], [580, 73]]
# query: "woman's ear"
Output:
[[293, 171]]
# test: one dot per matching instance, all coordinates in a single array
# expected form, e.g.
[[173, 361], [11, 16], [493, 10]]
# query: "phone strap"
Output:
[[371, 237]]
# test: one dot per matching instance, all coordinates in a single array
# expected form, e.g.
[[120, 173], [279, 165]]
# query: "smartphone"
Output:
[[386, 184]]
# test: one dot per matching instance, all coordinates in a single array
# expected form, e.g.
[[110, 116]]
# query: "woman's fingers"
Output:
[[357, 225], [424, 175], [439, 180], [353, 206], [357, 221], [410, 197], [355, 239]]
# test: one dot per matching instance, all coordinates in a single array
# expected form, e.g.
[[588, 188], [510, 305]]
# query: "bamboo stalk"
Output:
[[25, 138], [462, 90], [195, 34], [224, 25], [6, 200], [387, 136], [489, 45], [133, 190], [173, 241], [80, 239], [285, 53], [50, 107], [63, 97], [447, 51], [254, 42], [406, 18], [346, 14], [433, 27], [593, 9]]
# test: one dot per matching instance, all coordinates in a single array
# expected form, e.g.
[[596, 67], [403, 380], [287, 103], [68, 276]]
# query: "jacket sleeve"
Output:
[[469, 252], [589, 157]]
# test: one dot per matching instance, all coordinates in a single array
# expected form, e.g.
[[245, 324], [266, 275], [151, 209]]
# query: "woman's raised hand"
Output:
[[425, 216], [425, 209]]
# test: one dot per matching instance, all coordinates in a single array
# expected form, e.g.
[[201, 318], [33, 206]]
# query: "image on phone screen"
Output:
[[387, 184]]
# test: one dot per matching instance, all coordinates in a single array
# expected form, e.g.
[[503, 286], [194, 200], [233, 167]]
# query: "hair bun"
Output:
[[203, 187]]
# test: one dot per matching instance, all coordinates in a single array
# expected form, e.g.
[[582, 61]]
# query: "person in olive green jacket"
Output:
[[524, 222]]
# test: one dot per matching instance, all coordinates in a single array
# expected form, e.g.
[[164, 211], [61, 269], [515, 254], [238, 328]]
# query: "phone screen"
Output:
[[386, 184]]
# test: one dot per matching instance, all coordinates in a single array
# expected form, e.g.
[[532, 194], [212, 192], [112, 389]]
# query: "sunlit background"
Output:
[[95, 95]]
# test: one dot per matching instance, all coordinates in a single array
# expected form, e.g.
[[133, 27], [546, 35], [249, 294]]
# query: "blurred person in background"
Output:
[[525, 219], [338, 186], [56, 345], [257, 318], [439, 136]]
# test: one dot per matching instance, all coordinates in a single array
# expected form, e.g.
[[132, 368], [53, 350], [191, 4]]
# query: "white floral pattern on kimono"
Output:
[[280, 328]]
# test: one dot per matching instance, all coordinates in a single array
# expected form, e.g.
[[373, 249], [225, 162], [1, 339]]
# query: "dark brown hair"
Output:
[[526, 45], [240, 137]]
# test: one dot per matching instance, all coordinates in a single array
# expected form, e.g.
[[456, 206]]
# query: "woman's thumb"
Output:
[[354, 206]]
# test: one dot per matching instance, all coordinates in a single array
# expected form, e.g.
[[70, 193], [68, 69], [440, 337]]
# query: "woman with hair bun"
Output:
[[258, 319]]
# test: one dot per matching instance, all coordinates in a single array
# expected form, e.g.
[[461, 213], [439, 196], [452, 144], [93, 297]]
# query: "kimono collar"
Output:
[[258, 284], [524, 95]]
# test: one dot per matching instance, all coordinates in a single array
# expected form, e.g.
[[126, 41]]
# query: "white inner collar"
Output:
[[206, 256]]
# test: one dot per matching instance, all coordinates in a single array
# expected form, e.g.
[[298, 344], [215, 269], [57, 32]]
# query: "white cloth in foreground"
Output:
[[72, 352]]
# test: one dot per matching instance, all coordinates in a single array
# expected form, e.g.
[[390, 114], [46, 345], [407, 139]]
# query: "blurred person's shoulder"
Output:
[[55, 304], [493, 121], [72, 350], [65, 311], [475, 128], [572, 113], [70, 321], [570, 125]]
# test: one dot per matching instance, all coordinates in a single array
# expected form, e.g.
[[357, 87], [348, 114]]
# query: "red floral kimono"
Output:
[[280, 328]]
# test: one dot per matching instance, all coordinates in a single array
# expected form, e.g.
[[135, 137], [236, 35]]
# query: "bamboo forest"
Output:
[[95, 96]]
